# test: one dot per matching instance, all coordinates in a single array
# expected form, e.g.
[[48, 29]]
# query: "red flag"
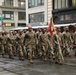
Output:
[[51, 27]]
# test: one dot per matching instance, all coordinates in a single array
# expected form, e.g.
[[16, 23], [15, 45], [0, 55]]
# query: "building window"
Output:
[[40, 2], [67, 4], [36, 17], [68, 17], [21, 3], [74, 16], [73, 2], [21, 24], [34, 3], [55, 4], [21, 15], [8, 15], [8, 2], [62, 18], [63, 3], [58, 4]]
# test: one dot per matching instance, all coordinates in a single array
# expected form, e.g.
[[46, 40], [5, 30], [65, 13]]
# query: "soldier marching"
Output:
[[31, 44]]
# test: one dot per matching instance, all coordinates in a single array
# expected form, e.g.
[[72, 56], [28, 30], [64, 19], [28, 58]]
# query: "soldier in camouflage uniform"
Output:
[[24, 48], [57, 48], [30, 43], [61, 38], [20, 46], [67, 40], [72, 31], [3, 43], [51, 48], [74, 40], [10, 44], [38, 33], [14, 44], [44, 41]]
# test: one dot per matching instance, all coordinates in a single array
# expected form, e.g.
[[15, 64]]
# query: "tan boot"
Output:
[[21, 58], [31, 61], [60, 62]]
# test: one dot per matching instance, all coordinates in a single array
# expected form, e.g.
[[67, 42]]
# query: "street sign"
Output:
[[1, 22], [1, 18]]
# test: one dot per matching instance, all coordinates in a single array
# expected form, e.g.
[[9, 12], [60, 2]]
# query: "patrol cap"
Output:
[[29, 26], [67, 27]]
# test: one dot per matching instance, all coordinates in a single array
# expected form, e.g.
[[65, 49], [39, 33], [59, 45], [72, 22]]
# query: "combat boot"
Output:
[[31, 61], [59, 62], [21, 58]]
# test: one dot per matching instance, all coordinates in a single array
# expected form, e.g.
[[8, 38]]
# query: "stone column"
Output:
[[27, 18], [50, 4], [1, 1], [15, 3], [16, 18], [46, 11]]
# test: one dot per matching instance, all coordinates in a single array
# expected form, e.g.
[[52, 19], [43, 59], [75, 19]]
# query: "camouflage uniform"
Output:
[[51, 48], [14, 45], [38, 33], [3, 44], [43, 38], [57, 49], [30, 44], [24, 48], [20, 46], [10, 45], [74, 42], [61, 38], [66, 43]]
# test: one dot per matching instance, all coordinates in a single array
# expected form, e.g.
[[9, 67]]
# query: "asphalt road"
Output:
[[17, 67]]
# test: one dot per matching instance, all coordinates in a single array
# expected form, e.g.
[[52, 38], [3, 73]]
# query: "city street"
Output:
[[16, 67], [42, 30]]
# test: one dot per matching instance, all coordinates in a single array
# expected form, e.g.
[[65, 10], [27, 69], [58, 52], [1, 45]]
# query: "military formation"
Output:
[[38, 44]]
